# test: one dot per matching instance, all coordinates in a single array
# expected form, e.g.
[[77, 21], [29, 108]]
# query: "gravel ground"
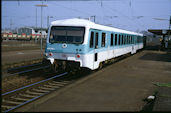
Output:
[[19, 53], [12, 57]]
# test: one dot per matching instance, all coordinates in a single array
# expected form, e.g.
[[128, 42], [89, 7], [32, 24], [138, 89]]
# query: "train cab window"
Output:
[[103, 39], [119, 43], [96, 42], [91, 39], [115, 39], [111, 40]]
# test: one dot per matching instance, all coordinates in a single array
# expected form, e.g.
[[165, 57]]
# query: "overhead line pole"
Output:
[[41, 20], [36, 17]]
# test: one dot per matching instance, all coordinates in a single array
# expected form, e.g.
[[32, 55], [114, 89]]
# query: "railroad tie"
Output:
[[33, 93], [11, 102], [63, 82], [51, 86], [44, 88], [59, 83], [20, 99], [7, 107], [56, 84], [27, 95], [39, 90]]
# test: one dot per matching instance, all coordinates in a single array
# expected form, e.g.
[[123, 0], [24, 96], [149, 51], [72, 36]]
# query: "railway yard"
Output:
[[86, 56], [123, 85]]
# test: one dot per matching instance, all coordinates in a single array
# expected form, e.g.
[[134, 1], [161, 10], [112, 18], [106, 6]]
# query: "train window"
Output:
[[91, 39], [103, 39], [115, 39], [133, 39], [122, 40], [111, 41], [119, 43], [138, 39], [128, 39], [96, 43], [125, 39]]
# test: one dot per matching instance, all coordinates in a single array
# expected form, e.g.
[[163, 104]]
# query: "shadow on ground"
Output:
[[164, 57]]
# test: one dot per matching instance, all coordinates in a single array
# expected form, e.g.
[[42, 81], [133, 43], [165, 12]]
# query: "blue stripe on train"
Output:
[[80, 49]]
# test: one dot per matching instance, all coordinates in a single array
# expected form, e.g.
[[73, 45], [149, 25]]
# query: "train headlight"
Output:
[[50, 54], [78, 56]]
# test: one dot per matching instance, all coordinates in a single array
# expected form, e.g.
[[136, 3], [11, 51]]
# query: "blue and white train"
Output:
[[76, 43]]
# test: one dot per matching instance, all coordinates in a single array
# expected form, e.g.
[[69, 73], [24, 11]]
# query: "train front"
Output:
[[64, 47]]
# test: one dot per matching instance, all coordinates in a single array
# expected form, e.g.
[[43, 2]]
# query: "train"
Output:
[[79, 43], [23, 36]]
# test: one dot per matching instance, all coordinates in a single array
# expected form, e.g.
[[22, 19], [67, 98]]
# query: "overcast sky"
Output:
[[126, 14]]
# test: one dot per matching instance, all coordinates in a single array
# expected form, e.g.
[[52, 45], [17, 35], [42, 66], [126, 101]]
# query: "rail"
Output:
[[30, 94]]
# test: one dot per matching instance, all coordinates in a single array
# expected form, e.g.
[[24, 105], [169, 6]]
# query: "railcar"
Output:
[[79, 43]]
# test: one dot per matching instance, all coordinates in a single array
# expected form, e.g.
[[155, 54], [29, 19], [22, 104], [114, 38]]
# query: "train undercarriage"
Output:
[[62, 65]]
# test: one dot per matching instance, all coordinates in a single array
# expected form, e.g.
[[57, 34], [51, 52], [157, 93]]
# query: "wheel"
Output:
[[100, 65], [55, 68]]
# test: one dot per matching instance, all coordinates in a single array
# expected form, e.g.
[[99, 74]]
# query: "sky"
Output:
[[133, 15]]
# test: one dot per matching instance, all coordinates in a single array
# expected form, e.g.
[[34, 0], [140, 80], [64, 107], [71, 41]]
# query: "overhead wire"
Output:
[[134, 22]]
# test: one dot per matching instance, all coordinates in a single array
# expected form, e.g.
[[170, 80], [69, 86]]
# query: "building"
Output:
[[32, 30]]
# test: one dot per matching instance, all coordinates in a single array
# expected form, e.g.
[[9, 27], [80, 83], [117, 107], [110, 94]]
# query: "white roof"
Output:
[[89, 24]]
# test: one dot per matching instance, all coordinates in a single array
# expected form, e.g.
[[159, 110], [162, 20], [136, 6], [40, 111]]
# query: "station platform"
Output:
[[121, 86]]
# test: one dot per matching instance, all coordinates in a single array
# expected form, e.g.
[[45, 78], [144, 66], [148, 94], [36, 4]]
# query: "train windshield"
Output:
[[66, 34]]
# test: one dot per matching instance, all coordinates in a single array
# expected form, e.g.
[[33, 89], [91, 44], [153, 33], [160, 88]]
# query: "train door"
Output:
[[96, 46]]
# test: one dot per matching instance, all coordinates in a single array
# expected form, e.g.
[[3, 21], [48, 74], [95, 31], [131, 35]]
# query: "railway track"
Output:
[[24, 69], [27, 68], [16, 98]]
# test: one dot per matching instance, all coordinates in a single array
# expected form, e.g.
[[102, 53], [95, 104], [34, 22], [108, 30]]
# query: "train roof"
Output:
[[89, 24]]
